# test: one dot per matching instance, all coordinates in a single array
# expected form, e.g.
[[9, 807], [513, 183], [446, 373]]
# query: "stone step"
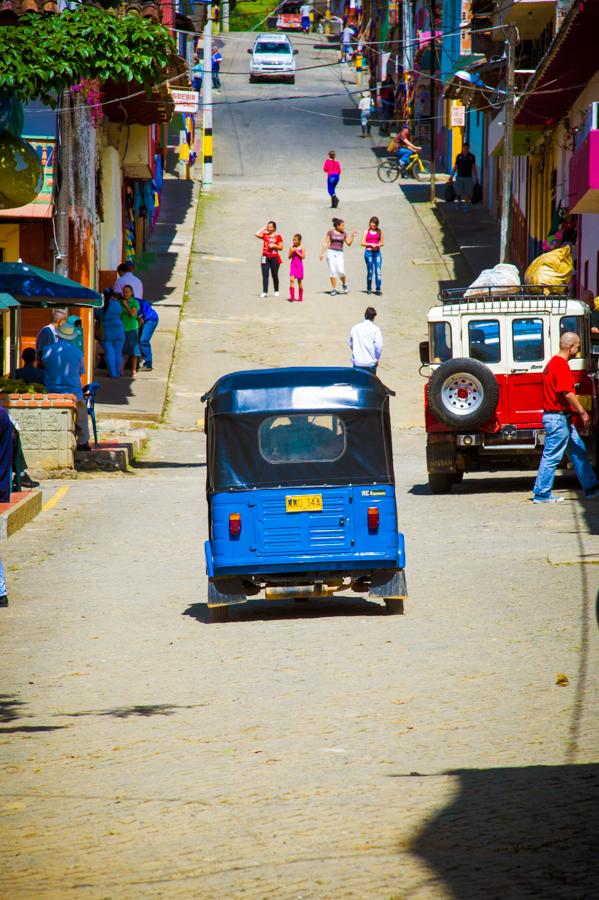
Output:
[[109, 456]]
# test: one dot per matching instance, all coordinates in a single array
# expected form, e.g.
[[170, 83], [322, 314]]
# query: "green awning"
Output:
[[8, 302]]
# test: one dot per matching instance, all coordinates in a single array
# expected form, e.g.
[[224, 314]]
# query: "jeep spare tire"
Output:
[[463, 393]]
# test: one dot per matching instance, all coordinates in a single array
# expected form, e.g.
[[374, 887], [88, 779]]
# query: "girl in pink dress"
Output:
[[297, 254]]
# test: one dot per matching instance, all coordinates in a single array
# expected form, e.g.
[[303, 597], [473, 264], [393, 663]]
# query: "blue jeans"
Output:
[[113, 354], [2, 581], [403, 155], [147, 330], [562, 437], [374, 263], [332, 182]]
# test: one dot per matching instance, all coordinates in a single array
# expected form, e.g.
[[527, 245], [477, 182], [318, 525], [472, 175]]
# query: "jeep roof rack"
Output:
[[520, 292]]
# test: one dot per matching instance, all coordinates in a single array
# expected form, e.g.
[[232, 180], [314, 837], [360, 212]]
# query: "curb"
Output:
[[23, 507]]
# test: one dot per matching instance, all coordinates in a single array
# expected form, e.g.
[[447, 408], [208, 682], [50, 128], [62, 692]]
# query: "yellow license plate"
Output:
[[303, 503]]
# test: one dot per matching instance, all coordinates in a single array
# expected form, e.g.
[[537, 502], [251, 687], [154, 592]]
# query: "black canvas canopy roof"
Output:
[[299, 389], [239, 403]]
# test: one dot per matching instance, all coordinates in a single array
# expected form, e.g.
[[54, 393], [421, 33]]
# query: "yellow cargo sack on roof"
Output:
[[550, 268]]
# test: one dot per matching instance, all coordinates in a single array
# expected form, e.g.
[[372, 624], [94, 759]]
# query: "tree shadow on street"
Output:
[[273, 610], [516, 832], [140, 710], [11, 709]]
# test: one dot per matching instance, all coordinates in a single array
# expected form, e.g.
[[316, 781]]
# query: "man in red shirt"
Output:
[[559, 403]]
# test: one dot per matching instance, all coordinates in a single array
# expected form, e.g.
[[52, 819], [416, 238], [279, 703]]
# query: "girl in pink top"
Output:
[[297, 254], [332, 167]]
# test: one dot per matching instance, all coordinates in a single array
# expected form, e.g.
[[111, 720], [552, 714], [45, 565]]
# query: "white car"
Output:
[[272, 58]]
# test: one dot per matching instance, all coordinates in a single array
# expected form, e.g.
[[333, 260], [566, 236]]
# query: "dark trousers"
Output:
[[271, 264]]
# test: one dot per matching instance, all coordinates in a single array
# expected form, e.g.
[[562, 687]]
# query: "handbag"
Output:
[[477, 193], [449, 193], [392, 146]]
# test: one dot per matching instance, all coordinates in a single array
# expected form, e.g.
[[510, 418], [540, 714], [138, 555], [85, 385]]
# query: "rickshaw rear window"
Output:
[[302, 438]]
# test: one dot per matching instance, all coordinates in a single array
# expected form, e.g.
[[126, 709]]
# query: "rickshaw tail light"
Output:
[[234, 525], [373, 518]]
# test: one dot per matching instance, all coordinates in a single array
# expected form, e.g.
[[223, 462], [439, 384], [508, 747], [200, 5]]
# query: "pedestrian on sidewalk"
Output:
[[29, 372], [335, 240], [113, 333], [559, 404], [6, 452], [217, 59], [297, 254], [47, 335], [347, 36], [126, 277], [372, 241], [63, 364], [3, 596], [387, 97], [466, 176], [332, 167], [270, 261], [197, 73], [129, 314], [366, 342], [305, 11], [148, 319], [365, 107]]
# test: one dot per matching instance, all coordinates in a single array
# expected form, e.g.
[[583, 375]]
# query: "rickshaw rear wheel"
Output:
[[218, 614], [394, 607]]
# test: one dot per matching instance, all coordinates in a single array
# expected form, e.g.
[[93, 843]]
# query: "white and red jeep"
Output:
[[487, 349]]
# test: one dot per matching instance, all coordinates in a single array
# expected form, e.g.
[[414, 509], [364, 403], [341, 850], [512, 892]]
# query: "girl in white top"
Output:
[[335, 240]]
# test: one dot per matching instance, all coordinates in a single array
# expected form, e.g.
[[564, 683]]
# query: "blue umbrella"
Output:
[[31, 285]]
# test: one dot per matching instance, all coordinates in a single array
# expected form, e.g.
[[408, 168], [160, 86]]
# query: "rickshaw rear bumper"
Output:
[[306, 565]]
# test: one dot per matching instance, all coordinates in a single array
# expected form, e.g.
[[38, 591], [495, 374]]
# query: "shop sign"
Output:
[[185, 101], [458, 116], [465, 28]]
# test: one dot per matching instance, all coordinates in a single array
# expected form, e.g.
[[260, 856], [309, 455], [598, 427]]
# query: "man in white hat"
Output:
[[63, 368]]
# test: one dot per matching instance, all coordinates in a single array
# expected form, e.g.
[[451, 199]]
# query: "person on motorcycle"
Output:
[[405, 147]]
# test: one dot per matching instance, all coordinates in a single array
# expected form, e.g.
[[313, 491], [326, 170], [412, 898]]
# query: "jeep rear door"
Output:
[[528, 351]]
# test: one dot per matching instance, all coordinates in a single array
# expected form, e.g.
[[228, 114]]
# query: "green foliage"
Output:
[[250, 14], [16, 386], [45, 55]]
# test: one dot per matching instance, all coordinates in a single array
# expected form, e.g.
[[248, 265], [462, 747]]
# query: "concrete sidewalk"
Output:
[[476, 234], [169, 248]]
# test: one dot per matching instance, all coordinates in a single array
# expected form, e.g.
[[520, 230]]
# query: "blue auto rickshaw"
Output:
[[300, 488]]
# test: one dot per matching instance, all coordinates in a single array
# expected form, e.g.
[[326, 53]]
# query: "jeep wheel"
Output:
[[440, 484], [463, 393]]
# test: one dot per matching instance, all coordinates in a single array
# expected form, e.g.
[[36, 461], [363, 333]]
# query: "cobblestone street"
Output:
[[316, 750]]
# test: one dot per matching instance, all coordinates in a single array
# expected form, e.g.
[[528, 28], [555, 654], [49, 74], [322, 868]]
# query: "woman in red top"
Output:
[[332, 167], [270, 261]]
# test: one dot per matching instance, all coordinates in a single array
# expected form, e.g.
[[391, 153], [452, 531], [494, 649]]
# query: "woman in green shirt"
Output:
[[129, 318]]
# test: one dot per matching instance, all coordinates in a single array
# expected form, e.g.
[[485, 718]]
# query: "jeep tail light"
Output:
[[373, 518], [234, 525]]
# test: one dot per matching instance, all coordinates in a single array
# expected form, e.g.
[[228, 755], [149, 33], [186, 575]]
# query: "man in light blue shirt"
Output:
[[63, 368]]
